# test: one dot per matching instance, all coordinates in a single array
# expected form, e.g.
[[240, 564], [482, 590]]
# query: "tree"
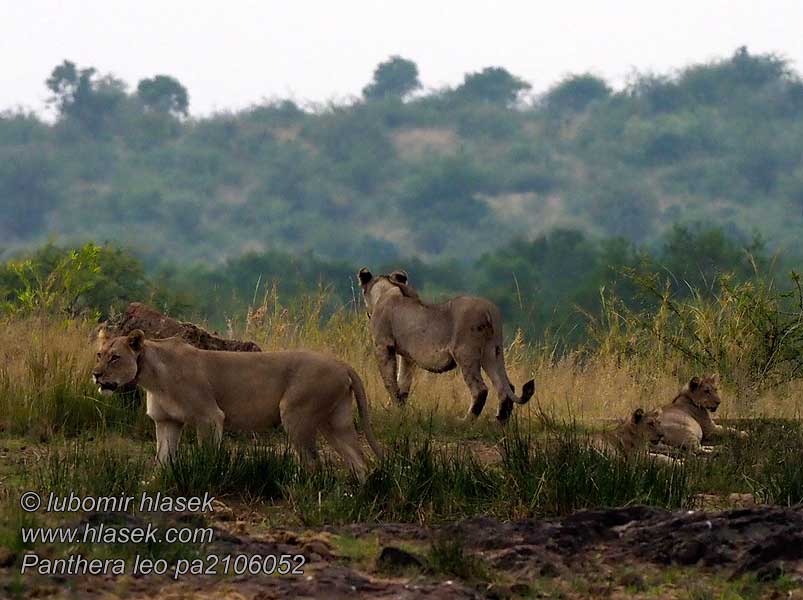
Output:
[[69, 85], [697, 255], [492, 84], [622, 207], [89, 279], [29, 190], [394, 78], [80, 95], [164, 94], [576, 92]]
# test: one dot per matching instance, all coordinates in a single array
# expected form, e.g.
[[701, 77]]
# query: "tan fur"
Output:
[[464, 332], [687, 421], [635, 436], [307, 392]]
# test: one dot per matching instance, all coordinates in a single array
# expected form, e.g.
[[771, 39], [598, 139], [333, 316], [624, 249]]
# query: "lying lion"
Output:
[[307, 392], [463, 332], [635, 436], [687, 421]]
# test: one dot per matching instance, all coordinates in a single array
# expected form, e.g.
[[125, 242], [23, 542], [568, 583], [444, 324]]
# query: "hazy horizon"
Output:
[[315, 52]]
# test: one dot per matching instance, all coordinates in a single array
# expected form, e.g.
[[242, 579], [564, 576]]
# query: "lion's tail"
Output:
[[362, 406]]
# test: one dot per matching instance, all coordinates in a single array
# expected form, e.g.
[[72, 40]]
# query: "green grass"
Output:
[[561, 471], [248, 469], [88, 468], [423, 479], [449, 556]]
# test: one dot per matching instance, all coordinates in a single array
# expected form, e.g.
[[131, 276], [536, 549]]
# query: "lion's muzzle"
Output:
[[104, 387]]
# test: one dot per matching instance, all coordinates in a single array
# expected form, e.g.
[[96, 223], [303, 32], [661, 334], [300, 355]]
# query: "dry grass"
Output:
[[45, 365]]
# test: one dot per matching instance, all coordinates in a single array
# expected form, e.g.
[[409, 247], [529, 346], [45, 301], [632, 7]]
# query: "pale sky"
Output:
[[236, 53]]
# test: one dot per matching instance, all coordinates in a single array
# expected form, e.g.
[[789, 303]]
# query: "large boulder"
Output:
[[157, 326]]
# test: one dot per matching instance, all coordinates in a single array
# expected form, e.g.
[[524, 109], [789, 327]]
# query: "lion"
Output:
[[641, 432], [687, 421], [307, 392], [464, 332]]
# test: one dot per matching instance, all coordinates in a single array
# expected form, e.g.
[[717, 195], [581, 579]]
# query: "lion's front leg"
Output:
[[717, 432], [168, 434]]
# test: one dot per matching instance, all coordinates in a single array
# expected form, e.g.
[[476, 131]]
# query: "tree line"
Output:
[[551, 286], [400, 171]]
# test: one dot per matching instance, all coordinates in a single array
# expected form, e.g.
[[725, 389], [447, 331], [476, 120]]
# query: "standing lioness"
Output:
[[307, 392], [463, 332]]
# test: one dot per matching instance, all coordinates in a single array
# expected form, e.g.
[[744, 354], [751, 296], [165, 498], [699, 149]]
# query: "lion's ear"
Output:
[[694, 383], [364, 276], [637, 416], [101, 335], [399, 276], [714, 379], [135, 340]]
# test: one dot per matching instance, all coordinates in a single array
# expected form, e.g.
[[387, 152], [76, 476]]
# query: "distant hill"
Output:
[[449, 174]]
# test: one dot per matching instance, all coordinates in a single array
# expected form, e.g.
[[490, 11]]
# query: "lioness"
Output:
[[635, 435], [307, 392], [463, 332], [687, 421]]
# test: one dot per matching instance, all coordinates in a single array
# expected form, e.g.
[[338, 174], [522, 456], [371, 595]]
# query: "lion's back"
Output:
[[680, 427]]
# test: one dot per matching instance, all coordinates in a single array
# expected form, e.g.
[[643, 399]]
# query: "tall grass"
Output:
[[563, 471], [89, 468], [45, 385], [249, 470], [635, 359], [550, 471], [421, 482], [751, 333]]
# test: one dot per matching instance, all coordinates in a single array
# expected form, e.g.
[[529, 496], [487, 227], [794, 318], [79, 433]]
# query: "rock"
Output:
[[765, 554], [158, 326], [741, 499], [392, 558], [689, 553], [318, 547], [7, 557], [221, 512]]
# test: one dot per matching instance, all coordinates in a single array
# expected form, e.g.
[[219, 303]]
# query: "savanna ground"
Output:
[[475, 510]]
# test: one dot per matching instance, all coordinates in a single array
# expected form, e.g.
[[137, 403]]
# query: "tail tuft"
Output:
[[527, 392]]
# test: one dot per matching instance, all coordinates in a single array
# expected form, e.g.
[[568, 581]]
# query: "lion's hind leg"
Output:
[[493, 363], [302, 430], [479, 391], [405, 377], [345, 441]]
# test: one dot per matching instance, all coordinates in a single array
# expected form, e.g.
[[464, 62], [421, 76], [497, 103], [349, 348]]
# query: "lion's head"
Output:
[[704, 392], [117, 360], [374, 288], [646, 426]]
